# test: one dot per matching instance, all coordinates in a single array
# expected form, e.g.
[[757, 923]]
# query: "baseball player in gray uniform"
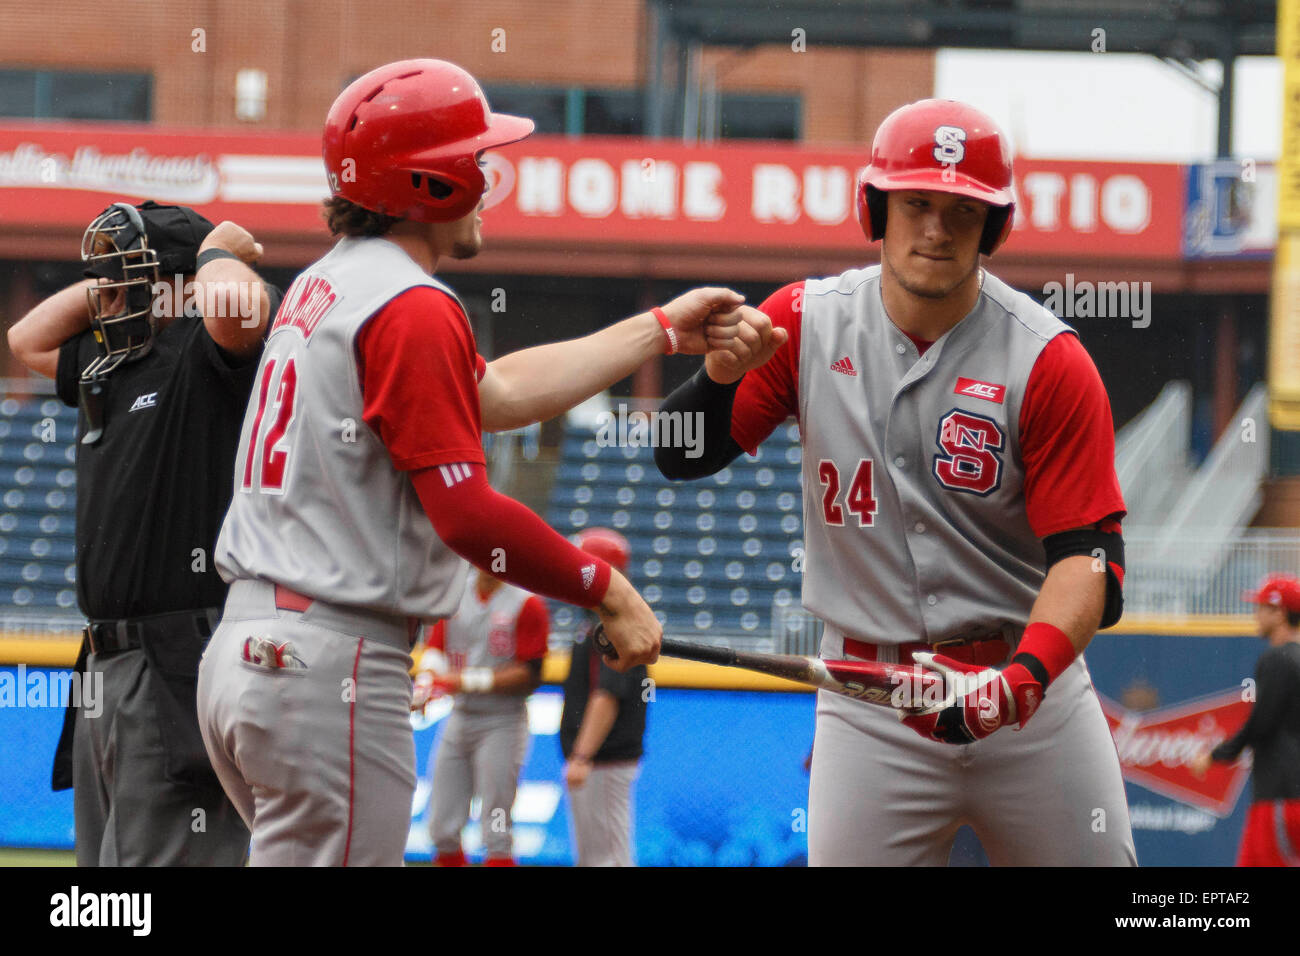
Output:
[[961, 511], [489, 655], [360, 486]]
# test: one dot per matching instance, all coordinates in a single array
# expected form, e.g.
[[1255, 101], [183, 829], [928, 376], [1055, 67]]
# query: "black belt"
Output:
[[106, 637]]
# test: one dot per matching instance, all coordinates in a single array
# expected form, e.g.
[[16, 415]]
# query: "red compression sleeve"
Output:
[[484, 526], [532, 630], [769, 394]]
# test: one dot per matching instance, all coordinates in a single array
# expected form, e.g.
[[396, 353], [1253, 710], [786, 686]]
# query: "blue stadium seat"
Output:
[[711, 557], [37, 507]]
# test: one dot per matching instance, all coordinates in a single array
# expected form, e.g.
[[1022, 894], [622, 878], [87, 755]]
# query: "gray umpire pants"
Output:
[[478, 754], [602, 815], [126, 811]]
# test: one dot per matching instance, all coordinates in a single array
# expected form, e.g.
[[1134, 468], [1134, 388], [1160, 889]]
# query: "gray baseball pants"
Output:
[[318, 759], [602, 815], [1049, 795], [478, 754]]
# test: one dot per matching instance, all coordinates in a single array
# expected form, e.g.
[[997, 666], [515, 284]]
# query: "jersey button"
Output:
[[900, 461], [900, 348], [932, 600], [920, 527]]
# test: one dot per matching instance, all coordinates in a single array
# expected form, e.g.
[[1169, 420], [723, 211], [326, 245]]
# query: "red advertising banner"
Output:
[[1156, 748], [625, 192]]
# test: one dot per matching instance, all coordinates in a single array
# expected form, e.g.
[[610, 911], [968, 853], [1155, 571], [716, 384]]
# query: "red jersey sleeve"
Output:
[[532, 630], [769, 395], [419, 371], [1067, 441], [436, 636]]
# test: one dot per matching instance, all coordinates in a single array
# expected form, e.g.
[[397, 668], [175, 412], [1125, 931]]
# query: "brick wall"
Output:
[[309, 50]]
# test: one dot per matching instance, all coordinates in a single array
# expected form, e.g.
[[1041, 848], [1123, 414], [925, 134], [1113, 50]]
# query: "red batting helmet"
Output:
[[607, 545], [405, 139], [944, 146]]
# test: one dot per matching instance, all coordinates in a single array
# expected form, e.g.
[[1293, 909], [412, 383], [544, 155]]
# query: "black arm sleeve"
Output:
[[1107, 546], [1271, 692], [700, 394], [69, 370]]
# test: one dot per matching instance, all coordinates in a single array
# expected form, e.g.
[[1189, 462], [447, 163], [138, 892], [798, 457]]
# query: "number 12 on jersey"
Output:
[[272, 448], [859, 499]]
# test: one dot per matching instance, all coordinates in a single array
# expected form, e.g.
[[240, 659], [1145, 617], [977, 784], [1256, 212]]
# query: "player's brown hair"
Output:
[[346, 218]]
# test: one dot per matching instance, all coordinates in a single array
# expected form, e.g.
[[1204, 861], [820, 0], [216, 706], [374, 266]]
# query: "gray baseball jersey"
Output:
[[929, 445], [305, 706], [917, 528], [307, 459], [482, 634], [485, 740]]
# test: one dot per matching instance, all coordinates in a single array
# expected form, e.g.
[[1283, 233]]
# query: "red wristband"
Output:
[[1050, 645], [669, 331]]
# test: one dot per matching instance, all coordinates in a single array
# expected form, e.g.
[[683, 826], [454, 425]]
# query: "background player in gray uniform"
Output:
[[361, 494], [491, 652], [601, 732], [961, 511]]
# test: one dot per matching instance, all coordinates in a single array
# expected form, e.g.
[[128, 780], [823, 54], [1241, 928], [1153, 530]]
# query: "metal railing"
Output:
[[1152, 452], [1224, 494], [1198, 573]]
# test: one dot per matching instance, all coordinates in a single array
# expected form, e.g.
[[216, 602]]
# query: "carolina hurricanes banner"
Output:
[[632, 193], [1156, 748]]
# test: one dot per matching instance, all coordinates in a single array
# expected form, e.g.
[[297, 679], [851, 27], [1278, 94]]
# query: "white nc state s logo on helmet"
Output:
[[949, 144]]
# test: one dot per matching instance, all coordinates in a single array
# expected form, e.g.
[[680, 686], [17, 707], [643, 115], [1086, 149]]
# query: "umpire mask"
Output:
[[128, 250], [117, 253]]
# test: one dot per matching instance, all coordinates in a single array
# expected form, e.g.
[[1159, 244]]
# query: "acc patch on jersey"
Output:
[[977, 389]]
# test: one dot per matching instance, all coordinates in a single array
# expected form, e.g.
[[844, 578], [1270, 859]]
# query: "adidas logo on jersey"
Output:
[[844, 367], [145, 401], [588, 576], [976, 389]]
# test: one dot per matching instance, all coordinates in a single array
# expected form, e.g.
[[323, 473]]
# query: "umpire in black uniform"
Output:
[[158, 349]]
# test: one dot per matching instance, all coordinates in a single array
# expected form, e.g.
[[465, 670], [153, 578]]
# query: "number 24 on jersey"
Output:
[[858, 500]]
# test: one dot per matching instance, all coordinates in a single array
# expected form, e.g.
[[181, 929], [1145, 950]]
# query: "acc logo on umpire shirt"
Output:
[[144, 401]]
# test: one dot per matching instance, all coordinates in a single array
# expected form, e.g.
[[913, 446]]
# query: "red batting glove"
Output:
[[977, 700]]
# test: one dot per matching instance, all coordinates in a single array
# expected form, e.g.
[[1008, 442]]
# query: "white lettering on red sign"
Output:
[[1171, 748], [649, 189], [1125, 202], [592, 188], [539, 190], [700, 199], [776, 193]]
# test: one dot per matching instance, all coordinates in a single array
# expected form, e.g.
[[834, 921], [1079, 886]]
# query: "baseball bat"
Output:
[[873, 682]]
